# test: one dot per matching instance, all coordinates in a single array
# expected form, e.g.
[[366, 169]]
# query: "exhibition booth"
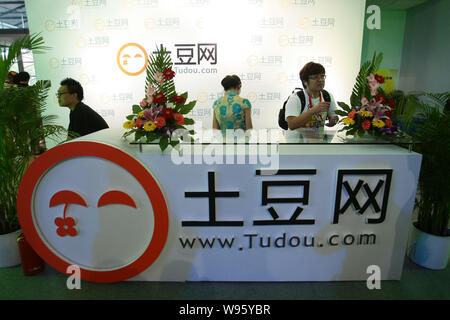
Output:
[[325, 209]]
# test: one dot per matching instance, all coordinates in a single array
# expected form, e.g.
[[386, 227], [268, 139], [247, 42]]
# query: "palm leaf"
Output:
[[157, 63], [30, 42], [433, 138], [361, 87], [22, 126]]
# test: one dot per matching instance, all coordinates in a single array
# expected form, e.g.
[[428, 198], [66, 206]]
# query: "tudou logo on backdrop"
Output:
[[188, 58], [77, 221]]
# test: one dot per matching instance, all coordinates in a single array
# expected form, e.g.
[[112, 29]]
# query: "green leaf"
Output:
[[128, 133], [131, 117], [137, 108], [188, 107], [151, 136], [344, 106], [341, 113], [188, 121], [164, 143], [138, 135]]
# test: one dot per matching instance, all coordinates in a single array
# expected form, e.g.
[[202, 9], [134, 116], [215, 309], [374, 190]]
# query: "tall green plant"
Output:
[[22, 126], [433, 137]]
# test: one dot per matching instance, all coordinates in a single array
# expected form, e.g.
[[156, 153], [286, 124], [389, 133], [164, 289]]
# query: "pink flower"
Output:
[[159, 76], [151, 91], [149, 100], [364, 101], [152, 112], [373, 84], [371, 78], [160, 122], [143, 103], [179, 119], [374, 104], [373, 89]]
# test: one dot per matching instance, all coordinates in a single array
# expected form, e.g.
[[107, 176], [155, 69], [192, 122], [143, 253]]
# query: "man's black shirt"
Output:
[[84, 120]]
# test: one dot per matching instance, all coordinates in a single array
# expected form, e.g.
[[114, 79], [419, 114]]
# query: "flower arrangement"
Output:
[[372, 110], [162, 111]]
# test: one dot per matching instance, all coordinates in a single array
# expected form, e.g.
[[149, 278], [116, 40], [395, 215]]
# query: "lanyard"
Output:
[[310, 104]]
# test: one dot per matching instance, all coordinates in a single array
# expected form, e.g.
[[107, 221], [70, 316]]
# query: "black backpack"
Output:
[[301, 94]]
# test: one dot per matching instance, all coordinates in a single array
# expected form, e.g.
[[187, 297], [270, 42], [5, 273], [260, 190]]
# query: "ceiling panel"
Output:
[[13, 15]]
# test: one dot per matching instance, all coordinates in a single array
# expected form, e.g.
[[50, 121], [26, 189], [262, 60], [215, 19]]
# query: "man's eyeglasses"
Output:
[[59, 94], [317, 77]]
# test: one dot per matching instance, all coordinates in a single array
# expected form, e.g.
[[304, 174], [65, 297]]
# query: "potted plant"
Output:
[[430, 237], [22, 126]]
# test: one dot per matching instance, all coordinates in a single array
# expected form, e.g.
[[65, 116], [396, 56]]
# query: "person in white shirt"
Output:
[[316, 110]]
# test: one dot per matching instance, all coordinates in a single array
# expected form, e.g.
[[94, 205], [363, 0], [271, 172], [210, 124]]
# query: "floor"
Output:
[[416, 283]]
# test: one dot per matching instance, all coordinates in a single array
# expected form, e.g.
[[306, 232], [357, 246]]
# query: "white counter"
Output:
[[327, 214]]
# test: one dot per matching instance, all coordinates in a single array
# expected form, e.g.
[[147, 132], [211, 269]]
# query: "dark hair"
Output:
[[231, 82], [12, 77], [23, 78], [74, 87], [310, 69]]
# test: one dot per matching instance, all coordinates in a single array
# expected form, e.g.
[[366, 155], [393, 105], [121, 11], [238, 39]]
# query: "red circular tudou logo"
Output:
[[66, 228]]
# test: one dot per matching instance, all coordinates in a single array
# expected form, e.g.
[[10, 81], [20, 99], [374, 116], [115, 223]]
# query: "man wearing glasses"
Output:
[[316, 109], [83, 120]]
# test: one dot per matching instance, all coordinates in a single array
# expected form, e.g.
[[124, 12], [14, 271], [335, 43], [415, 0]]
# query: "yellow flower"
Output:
[[149, 126], [348, 121], [366, 113], [129, 124], [378, 123], [141, 114]]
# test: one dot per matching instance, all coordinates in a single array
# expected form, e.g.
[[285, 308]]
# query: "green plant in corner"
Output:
[[433, 137], [22, 126]]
